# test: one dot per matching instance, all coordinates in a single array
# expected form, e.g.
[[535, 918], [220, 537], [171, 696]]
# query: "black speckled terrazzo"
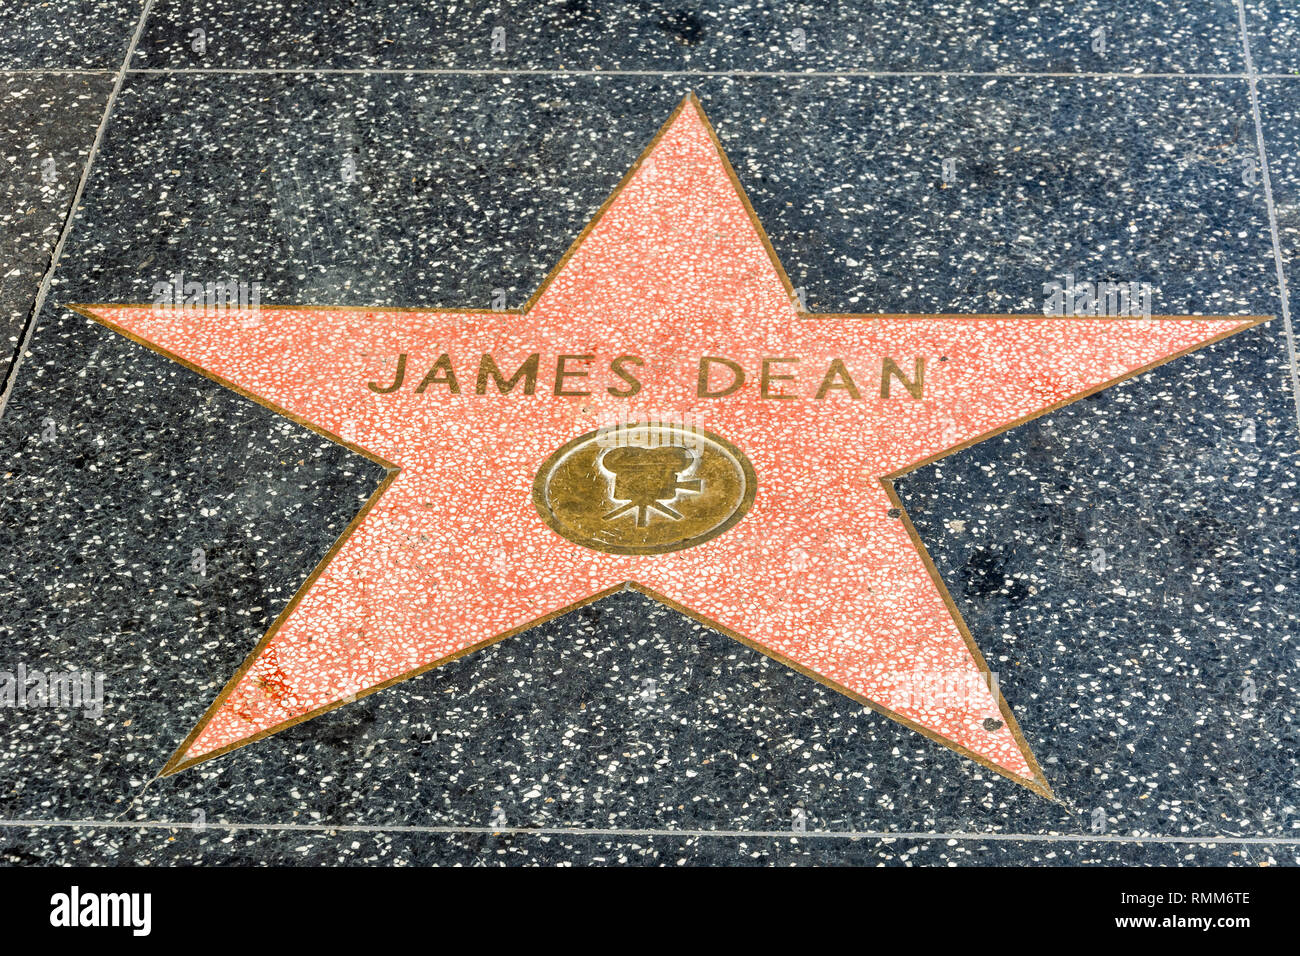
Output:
[[1274, 29], [1279, 102], [1099, 176], [67, 34], [1180, 36], [1127, 564], [46, 128], [316, 847]]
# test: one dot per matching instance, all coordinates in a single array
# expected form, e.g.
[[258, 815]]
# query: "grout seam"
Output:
[[775, 74], [1284, 300]]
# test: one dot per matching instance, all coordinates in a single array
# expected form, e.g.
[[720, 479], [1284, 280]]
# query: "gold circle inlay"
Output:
[[644, 488]]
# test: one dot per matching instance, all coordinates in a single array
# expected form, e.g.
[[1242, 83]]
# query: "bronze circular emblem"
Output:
[[644, 488]]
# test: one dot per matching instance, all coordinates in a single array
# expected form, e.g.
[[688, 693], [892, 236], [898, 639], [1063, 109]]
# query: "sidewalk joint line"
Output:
[[1284, 300], [29, 328]]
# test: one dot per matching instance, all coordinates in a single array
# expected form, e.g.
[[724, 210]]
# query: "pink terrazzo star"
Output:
[[824, 573]]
